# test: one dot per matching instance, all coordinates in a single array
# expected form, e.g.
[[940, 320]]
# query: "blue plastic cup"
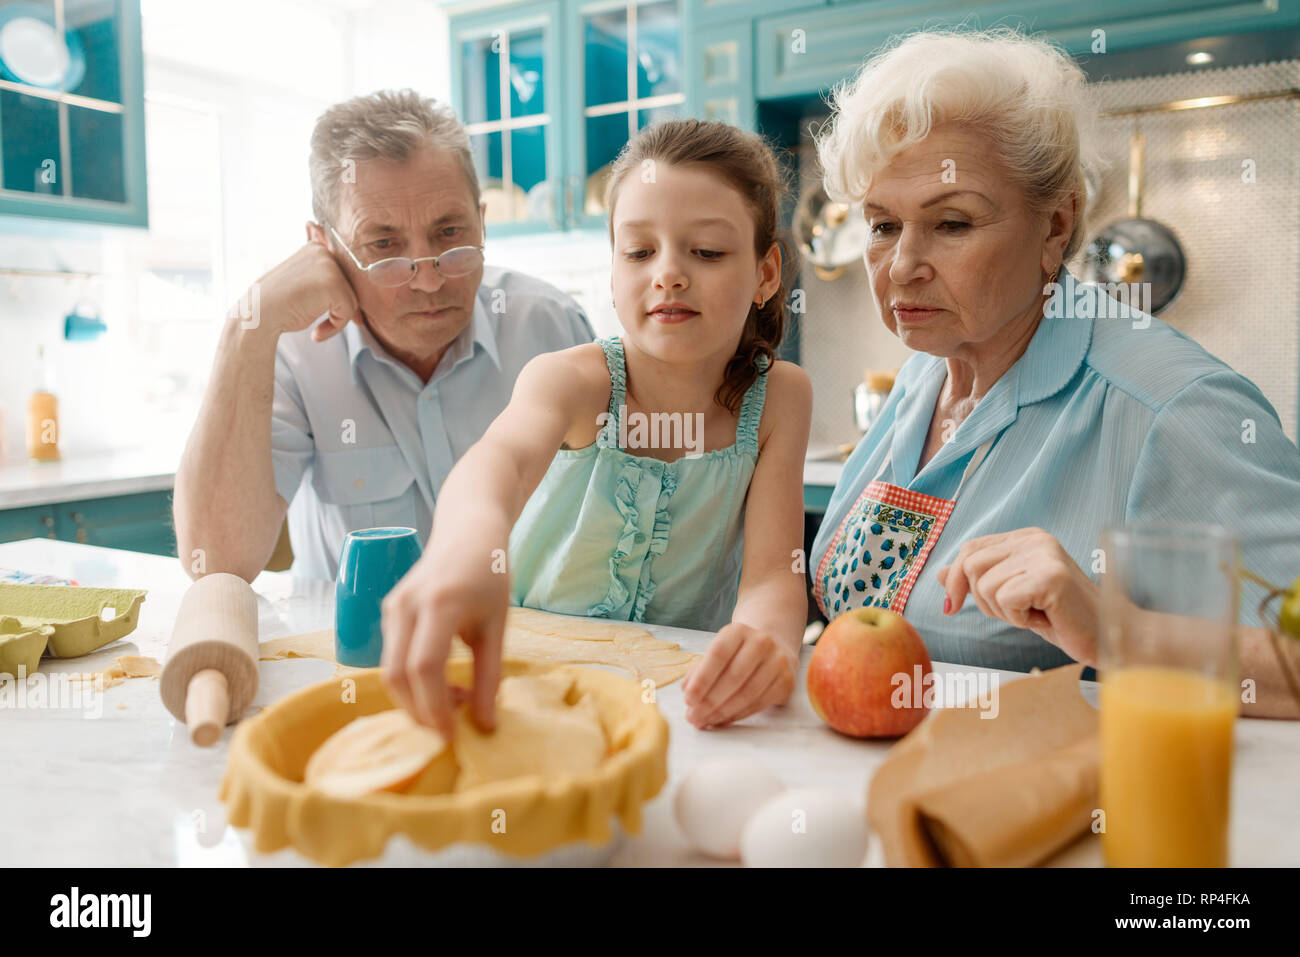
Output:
[[373, 560]]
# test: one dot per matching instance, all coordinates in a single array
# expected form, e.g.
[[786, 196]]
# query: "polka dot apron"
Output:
[[882, 544]]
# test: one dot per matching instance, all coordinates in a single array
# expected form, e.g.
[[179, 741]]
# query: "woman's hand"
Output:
[[441, 597], [1027, 579], [743, 672]]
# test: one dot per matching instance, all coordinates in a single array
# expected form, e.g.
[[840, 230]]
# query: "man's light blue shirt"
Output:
[[1101, 421], [358, 441]]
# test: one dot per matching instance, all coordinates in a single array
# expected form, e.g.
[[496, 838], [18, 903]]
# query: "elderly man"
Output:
[[354, 374]]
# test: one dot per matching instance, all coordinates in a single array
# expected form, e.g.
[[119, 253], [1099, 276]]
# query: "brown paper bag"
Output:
[[1008, 791]]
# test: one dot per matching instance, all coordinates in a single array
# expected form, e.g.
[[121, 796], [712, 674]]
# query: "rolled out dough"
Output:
[[123, 667], [537, 636]]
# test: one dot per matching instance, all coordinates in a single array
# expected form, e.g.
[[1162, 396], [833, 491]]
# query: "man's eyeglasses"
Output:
[[398, 271]]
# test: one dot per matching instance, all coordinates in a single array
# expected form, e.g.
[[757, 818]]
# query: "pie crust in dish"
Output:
[[263, 785]]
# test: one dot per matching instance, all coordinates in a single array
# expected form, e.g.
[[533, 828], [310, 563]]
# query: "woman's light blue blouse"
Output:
[[1100, 421], [615, 535]]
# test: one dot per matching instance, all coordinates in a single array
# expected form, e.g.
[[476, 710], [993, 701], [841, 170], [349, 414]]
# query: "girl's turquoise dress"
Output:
[[615, 535]]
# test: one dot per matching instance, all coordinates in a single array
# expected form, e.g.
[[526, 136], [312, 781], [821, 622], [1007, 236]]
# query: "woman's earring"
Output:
[[762, 302]]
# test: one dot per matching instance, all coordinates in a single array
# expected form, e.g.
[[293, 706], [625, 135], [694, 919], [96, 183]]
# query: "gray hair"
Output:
[[1027, 95], [388, 124]]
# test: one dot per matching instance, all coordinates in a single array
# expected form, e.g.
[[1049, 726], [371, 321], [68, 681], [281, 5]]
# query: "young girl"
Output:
[[644, 455]]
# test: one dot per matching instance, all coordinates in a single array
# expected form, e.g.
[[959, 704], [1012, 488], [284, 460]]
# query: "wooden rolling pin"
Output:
[[210, 674]]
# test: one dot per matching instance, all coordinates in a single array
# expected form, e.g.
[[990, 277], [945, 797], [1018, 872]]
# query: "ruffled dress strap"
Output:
[[613, 348], [751, 410]]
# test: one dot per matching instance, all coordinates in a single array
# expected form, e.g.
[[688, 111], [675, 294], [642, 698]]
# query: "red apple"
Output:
[[851, 677]]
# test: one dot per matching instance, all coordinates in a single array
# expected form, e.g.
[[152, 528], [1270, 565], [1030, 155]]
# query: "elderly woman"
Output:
[[1022, 425]]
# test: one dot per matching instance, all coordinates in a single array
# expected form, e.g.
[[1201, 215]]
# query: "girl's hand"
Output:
[[743, 672], [1027, 579], [441, 597]]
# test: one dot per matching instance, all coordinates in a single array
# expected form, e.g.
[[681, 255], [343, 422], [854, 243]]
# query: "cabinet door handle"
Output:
[[48, 522], [81, 529]]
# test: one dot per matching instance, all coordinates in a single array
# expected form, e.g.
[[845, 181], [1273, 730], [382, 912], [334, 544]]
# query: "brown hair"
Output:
[[747, 163]]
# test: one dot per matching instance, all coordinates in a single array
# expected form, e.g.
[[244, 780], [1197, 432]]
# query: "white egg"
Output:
[[806, 827], [715, 799]]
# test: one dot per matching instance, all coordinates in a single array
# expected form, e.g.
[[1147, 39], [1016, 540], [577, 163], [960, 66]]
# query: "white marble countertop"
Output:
[[97, 475], [129, 789]]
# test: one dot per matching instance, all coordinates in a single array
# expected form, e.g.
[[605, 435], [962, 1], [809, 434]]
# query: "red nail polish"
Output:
[[947, 605]]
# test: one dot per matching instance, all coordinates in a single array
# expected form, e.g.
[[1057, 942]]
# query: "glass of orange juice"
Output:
[[1167, 657]]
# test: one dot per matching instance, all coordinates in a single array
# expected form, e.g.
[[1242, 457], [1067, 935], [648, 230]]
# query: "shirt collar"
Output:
[[1060, 343], [480, 331]]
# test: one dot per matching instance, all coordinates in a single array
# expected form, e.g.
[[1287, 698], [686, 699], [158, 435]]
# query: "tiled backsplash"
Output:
[[1241, 299]]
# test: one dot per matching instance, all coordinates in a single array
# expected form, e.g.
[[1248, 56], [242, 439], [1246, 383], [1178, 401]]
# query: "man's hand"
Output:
[[296, 292], [1027, 579], [743, 672]]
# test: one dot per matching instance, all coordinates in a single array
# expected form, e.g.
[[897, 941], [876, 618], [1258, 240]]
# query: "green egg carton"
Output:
[[76, 614], [22, 645]]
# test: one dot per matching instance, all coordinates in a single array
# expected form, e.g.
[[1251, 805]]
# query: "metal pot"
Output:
[[1135, 249], [830, 235]]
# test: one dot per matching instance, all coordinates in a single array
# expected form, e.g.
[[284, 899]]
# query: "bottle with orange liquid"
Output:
[[43, 417], [1169, 694]]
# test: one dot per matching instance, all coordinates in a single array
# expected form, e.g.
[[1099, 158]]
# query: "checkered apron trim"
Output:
[[882, 544]]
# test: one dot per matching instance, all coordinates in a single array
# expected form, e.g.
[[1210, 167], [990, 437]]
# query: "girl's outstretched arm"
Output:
[[752, 662], [460, 585]]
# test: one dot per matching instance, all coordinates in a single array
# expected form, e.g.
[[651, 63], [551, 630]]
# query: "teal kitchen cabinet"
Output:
[[38, 521], [72, 111], [137, 523], [507, 86], [141, 522], [550, 92], [706, 12], [806, 52], [720, 74]]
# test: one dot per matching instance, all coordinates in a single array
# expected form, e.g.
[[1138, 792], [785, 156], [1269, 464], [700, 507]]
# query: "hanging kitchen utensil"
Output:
[[830, 235], [1135, 249], [1092, 184]]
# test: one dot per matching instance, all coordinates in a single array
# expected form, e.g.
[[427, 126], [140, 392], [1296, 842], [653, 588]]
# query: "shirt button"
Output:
[[640, 538], [359, 484]]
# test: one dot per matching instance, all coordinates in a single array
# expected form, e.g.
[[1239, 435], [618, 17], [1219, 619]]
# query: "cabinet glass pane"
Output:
[[29, 144], [605, 36], [96, 155], [528, 196], [646, 117], [606, 135], [529, 157], [527, 73], [488, 164], [658, 45], [481, 80], [94, 24]]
